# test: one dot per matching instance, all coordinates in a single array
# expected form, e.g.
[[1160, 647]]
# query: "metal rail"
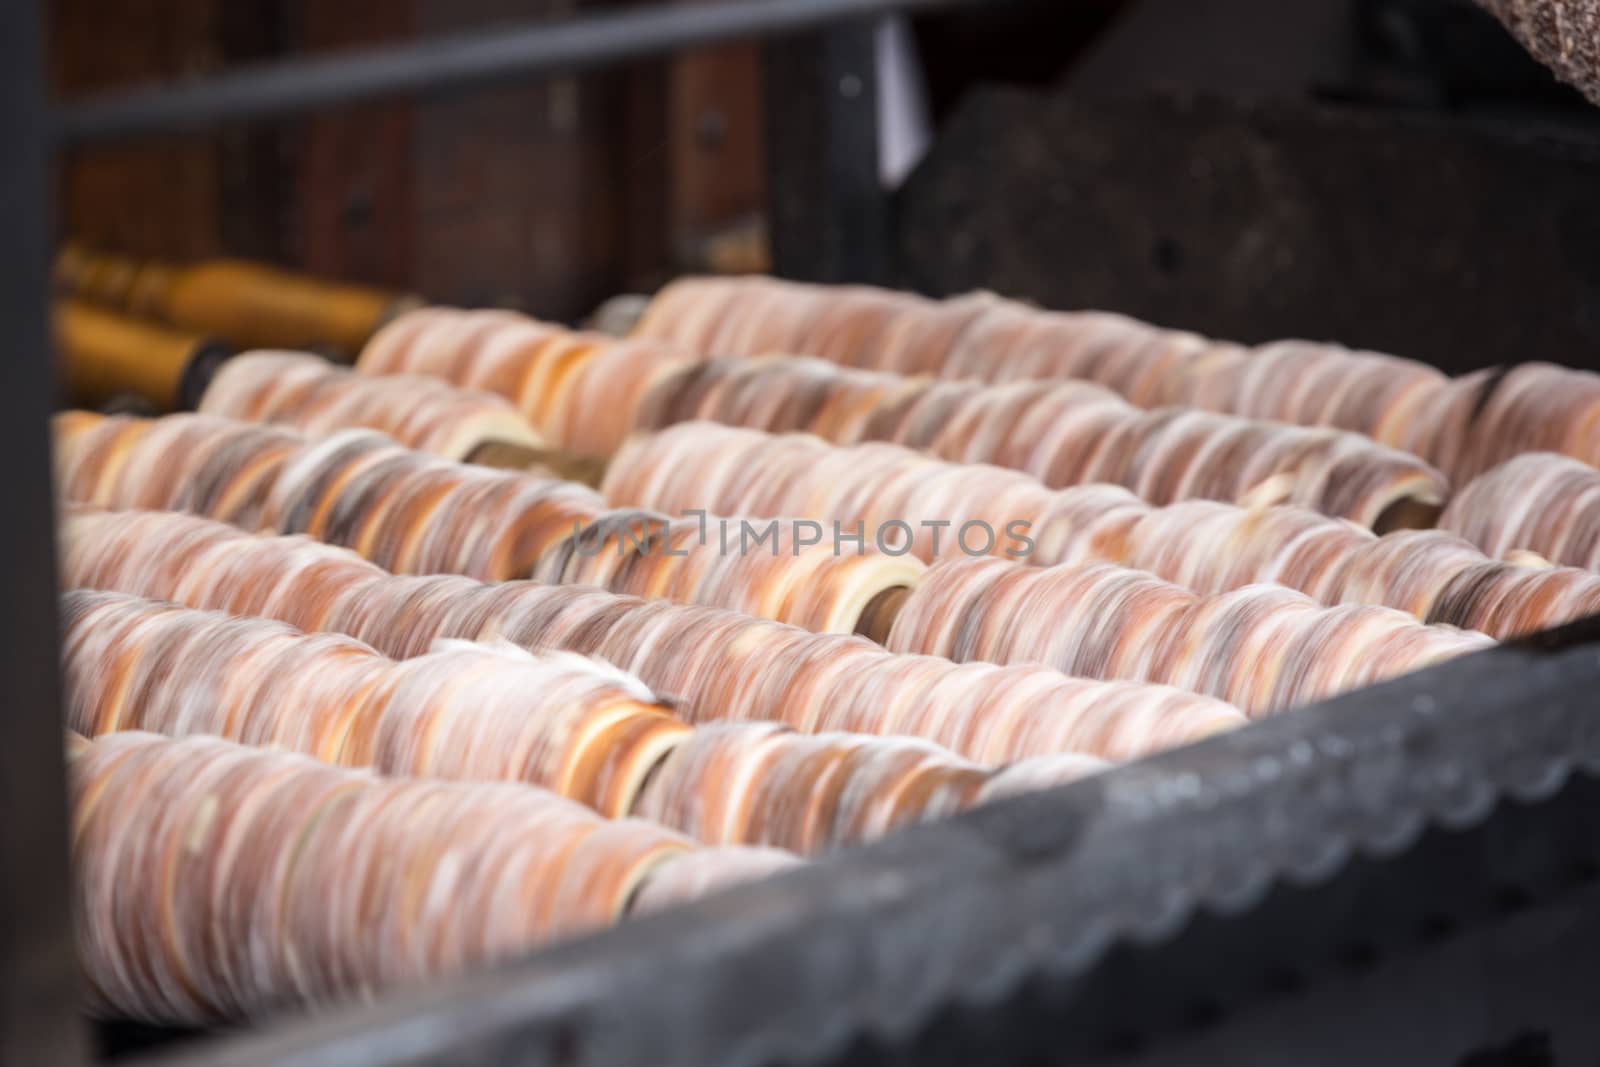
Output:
[[38, 970], [455, 62]]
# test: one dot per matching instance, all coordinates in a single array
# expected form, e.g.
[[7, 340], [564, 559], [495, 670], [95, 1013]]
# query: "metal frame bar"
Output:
[[830, 215], [39, 1021], [456, 62]]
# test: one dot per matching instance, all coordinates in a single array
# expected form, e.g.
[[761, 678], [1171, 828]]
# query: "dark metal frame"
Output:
[[1290, 886], [38, 979], [830, 216], [460, 61]]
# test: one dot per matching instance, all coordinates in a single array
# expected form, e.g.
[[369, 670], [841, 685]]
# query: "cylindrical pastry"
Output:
[[1461, 426], [580, 390], [982, 336], [1539, 502], [311, 395], [705, 871], [1532, 407], [764, 785], [944, 510], [418, 514], [575, 726], [222, 883], [1063, 433], [1262, 648], [585, 731], [715, 665]]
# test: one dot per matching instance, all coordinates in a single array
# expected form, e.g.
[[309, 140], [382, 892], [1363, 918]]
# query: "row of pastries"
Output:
[[354, 707]]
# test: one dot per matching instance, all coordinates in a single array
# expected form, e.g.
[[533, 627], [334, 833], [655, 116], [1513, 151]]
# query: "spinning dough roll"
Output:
[[1263, 648], [221, 883], [585, 731], [1063, 433], [1532, 407], [1462, 426], [1540, 502], [764, 785], [718, 665], [574, 726], [211, 466], [817, 586], [414, 513], [1207, 546], [982, 336], [309, 394], [585, 391], [580, 390], [705, 871]]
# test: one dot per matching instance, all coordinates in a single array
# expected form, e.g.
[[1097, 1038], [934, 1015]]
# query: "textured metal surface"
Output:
[[1451, 242], [1562, 34], [38, 973], [457, 62], [1377, 832]]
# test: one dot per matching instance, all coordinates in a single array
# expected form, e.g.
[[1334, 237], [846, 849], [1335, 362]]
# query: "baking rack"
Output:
[[1408, 874]]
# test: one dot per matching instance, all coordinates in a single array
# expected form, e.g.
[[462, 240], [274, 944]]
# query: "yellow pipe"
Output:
[[105, 355], [251, 305]]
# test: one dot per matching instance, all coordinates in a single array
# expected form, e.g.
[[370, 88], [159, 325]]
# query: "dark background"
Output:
[[1394, 174]]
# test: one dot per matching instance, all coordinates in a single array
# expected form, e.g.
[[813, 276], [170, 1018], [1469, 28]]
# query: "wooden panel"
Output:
[[549, 197], [153, 198], [718, 174], [520, 198], [641, 154], [254, 176], [353, 194], [180, 198]]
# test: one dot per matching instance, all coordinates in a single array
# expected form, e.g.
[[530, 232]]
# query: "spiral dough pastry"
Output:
[[418, 514], [575, 726], [715, 665], [784, 577], [1541, 503], [579, 390], [1462, 426], [220, 883], [307, 393], [765, 785], [1263, 648], [982, 336], [1206, 546], [1063, 433], [584, 731], [1223, 439], [1532, 407]]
